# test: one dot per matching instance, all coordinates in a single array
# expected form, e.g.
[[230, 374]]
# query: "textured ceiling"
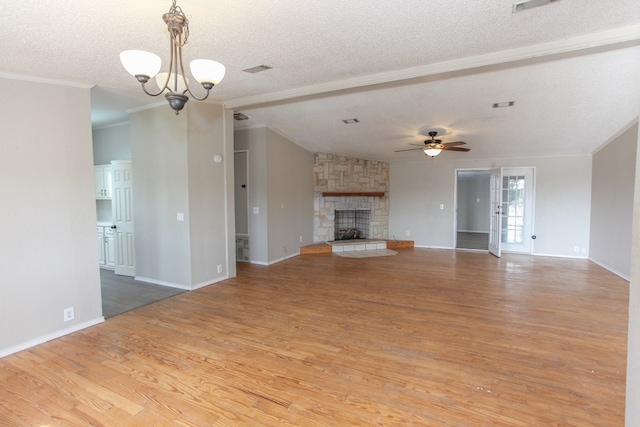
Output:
[[401, 68]]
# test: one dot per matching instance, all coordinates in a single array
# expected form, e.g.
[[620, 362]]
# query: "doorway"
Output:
[[472, 209], [241, 179], [512, 212]]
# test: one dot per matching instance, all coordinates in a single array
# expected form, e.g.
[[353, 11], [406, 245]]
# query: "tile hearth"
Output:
[[357, 245]]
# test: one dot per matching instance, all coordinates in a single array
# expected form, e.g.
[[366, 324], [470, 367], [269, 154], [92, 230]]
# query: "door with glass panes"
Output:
[[516, 211]]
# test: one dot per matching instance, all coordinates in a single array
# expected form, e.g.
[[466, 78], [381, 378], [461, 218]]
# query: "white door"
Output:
[[122, 211], [496, 205], [517, 210]]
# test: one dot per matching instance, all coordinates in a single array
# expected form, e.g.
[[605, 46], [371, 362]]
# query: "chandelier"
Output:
[[146, 65]]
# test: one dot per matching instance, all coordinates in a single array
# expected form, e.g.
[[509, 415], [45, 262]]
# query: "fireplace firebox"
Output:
[[351, 224]]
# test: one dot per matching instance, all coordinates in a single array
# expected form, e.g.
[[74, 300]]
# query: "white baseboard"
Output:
[[40, 340], [161, 283], [473, 231], [275, 261], [433, 247], [613, 270], [209, 282], [556, 255]]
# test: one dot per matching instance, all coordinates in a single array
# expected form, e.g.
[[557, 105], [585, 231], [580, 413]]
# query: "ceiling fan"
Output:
[[432, 147]]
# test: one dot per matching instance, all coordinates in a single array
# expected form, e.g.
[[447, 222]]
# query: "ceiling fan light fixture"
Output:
[[432, 151]]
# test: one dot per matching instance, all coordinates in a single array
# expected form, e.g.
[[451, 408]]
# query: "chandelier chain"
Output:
[[177, 11]]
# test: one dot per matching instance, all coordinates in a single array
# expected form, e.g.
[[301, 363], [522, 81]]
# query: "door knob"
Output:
[[113, 227]]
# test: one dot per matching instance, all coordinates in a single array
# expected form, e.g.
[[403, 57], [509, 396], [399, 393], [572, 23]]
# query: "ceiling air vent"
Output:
[[503, 104], [521, 6], [240, 116], [257, 69], [350, 121]]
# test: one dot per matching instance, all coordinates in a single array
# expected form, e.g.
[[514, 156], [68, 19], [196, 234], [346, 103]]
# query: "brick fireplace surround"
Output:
[[341, 174]]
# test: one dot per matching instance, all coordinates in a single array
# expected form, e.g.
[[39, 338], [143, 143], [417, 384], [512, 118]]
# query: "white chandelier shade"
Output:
[[140, 62], [207, 71]]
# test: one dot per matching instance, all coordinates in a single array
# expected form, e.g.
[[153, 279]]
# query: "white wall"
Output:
[[563, 201], [290, 196], [632, 415], [174, 172], [612, 203], [48, 255]]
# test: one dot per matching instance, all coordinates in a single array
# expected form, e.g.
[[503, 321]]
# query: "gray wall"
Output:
[[563, 201], [290, 196], [255, 142], [112, 142], [48, 255], [174, 172], [632, 416], [612, 203], [281, 187], [473, 202], [210, 189]]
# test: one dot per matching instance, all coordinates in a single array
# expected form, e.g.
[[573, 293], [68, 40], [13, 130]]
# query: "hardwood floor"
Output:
[[121, 293], [423, 338]]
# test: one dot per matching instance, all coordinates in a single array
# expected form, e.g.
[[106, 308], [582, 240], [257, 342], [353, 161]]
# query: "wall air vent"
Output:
[[257, 69], [240, 116], [521, 6]]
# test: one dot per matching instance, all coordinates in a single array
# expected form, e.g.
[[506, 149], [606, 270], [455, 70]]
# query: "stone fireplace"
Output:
[[348, 183]]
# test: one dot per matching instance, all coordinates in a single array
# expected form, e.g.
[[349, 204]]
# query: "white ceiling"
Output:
[[402, 68]]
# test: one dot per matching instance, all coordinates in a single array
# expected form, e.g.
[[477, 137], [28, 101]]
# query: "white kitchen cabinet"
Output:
[[106, 247], [110, 247], [101, 252], [103, 181]]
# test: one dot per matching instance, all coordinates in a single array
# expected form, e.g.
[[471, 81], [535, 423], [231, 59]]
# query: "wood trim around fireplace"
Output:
[[353, 194]]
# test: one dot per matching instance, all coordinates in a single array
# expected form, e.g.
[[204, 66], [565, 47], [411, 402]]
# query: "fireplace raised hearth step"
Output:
[[326, 248], [357, 245]]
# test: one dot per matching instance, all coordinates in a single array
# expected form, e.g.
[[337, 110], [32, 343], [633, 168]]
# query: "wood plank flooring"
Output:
[[423, 338], [121, 293]]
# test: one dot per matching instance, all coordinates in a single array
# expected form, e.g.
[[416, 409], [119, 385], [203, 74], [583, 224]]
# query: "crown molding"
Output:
[[34, 79]]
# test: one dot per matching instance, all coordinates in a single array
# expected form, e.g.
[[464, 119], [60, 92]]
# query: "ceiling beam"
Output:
[[605, 40]]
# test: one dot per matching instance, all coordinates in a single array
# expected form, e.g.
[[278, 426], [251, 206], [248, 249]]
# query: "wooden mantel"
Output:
[[353, 194]]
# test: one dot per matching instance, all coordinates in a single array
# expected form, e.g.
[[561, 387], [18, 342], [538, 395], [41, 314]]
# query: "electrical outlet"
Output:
[[180, 216], [576, 249], [300, 239], [219, 268], [407, 233], [69, 314], [441, 206], [256, 210]]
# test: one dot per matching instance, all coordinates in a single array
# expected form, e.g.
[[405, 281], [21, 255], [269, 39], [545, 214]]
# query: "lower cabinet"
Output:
[[106, 247]]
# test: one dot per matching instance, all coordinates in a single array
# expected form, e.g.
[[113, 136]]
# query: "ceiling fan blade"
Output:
[[409, 149], [453, 143], [456, 148]]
